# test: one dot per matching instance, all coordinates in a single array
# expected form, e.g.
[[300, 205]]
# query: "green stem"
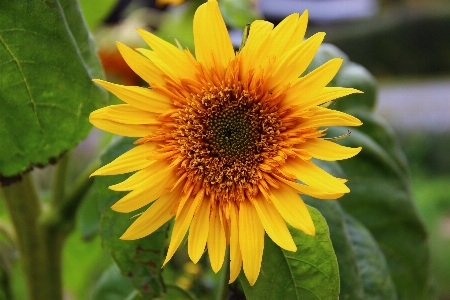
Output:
[[39, 248], [40, 230], [79, 189], [222, 291], [62, 214], [59, 180], [8, 231]]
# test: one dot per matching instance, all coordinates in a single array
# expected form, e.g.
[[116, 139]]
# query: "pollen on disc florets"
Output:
[[224, 134]]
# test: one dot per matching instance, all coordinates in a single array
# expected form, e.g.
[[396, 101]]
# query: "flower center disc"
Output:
[[233, 134]]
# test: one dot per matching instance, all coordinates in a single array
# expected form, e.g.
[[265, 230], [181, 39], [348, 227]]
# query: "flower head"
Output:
[[226, 138]]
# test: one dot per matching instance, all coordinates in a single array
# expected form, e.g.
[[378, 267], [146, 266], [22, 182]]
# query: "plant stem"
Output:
[[62, 213], [59, 180], [222, 291], [79, 189], [39, 247]]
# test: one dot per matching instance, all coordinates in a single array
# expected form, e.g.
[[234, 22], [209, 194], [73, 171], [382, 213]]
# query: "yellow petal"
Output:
[[312, 175], [213, 46], [325, 95], [142, 98], [293, 209], [216, 240], [299, 32], [130, 161], [235, 251], [145, 194], [171, 55], [143, 176], [141, 65], [251, 240], [181, 226], [159, 63], [198, 232], [150, 190], [254, 50], [311, 191], [328, 117], [126, 114], [295, 61], [130, 130], [153, 218], [281, 36], [327, 150], [307, 87], [274, 224]]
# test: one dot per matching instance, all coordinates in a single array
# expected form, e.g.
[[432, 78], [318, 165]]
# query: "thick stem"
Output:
[[39, 247]]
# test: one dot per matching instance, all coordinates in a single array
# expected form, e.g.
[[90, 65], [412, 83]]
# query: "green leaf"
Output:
[[310, 273], [47, 59], [178, 24], [238, 13], [381, 200], [88, 217], [351, 283], [371, 262], [175, 292], [95, 12], [349, 75], [140, 260], [380, 197], [363, 270], [112, 286]]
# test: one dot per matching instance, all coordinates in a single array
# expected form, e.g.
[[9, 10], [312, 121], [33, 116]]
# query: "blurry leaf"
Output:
[[88, 217], [178, 24], [380, 197], [381, 200], [88, 259], [5, 290], [310, 273], [238, 13], [140, 260], [112, 286], [95, 12], [175, 292], [47, 59], [349, 75]]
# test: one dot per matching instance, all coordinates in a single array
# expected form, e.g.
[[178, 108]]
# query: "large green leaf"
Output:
[[310, 273], [371, 263], [363, 270], [351, 283], [381, 199], [47, 60], [350, 75], [141, 259]]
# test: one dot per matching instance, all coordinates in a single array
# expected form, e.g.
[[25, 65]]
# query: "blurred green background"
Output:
[[404, 43]]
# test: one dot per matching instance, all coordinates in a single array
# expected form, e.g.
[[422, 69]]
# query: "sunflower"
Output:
[[226, 139]]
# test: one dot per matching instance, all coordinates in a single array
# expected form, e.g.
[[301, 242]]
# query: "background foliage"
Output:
[[371, 244]]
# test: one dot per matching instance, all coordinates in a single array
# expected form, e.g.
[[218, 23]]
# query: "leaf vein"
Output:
[[33, 102]]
